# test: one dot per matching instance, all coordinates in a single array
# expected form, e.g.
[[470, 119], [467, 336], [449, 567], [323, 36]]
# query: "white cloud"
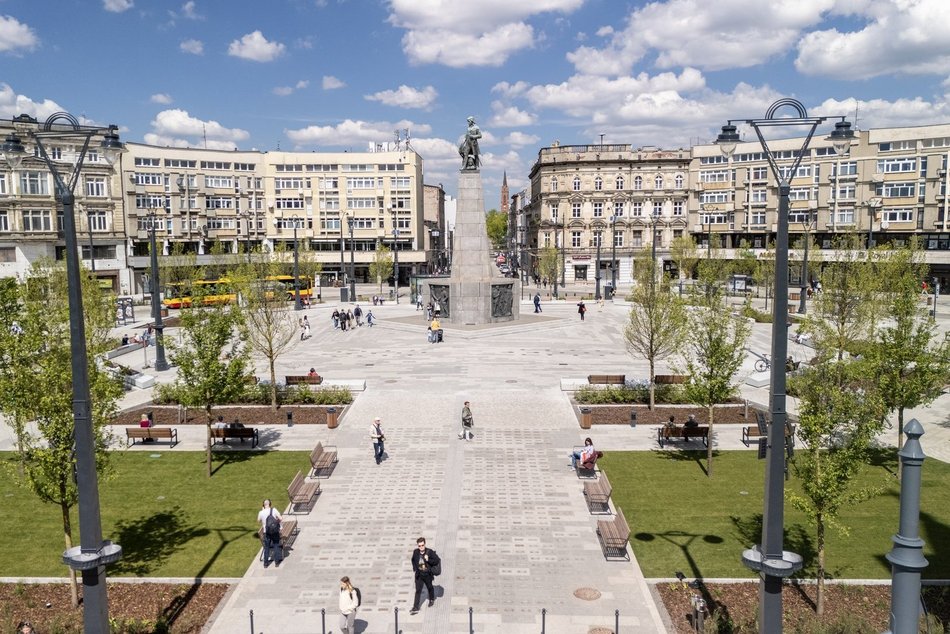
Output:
[[195, 47], [174, 127], [15, 36], [255, 47], [516, 89], [519, 140], [460, 34], [881, 113], [406, 97], [353, 133], [906, 36], [162, 98], [331, 83], [507, 116], [189, 11], [12, 104], [117, 6], [283, 91]]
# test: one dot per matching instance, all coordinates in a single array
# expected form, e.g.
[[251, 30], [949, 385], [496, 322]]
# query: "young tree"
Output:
[[910, 366], [766, 270], [713, 352], [549, 263], [212, 361], [657, 320], [496, 224], [839, 416], [268, 324], [38, 349], [683, 252], [382, 265]]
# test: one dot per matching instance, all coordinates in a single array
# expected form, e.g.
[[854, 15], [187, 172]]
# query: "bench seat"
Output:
[[665, 433], [322, 460], [586, 469], [302, 492], [154, 433], [598, 493], [241, 433], [614, 535], [606, 379]]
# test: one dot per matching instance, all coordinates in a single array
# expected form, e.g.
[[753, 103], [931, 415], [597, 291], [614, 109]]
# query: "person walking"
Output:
[[537, 302], [581, 309], [378, 439], [358, 313], [370, 319], [270, 520], [467, 422], [424, 562], [349, 602]]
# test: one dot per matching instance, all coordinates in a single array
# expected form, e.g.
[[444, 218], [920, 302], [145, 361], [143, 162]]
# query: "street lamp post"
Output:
[[769, 558], [613, 254], [597, 236], [342, 253], [396, 264], [802, 308], [563, 258], [351, 221], [246, 214], [93, 554], [160, 363], [297, 304], [873, 205]]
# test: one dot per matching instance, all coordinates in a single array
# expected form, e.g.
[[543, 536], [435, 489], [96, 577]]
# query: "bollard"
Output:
[[323, 619], [544, 612], [290, 419], [251, 615], [616, 621], [396, 616], [633, 418], [471, 625]]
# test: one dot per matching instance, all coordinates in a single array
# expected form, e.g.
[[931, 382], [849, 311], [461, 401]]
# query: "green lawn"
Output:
[[680, 520], [169, 517]]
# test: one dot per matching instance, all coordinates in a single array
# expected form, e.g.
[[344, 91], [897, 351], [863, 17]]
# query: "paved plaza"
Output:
[[504, 511]]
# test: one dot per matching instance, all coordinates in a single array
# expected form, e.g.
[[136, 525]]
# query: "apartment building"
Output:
[[31, 222]]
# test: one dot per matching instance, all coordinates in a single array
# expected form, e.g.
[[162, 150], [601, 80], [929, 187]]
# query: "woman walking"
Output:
[[349, 602]]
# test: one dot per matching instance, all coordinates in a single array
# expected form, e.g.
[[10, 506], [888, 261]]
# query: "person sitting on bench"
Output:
[[690, 424], [585, 455]]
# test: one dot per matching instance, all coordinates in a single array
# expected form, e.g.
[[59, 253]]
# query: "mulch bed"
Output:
[[184, 607], [620, 414], [846, 604], [246, 414]]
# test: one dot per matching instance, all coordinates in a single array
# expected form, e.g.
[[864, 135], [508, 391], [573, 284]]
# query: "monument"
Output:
[[474, 293]]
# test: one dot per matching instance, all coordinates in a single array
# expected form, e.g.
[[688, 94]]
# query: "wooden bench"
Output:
[[322, 460], [670, 379], [614, 535], [761, 429], [586, 469], [288, 533], [598, 494], [303, 379], [666, 433], [606, 379], [300, 491], [154, 433], [241, 433]]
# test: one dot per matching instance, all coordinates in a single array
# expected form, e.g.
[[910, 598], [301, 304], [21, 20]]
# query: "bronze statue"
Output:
[[468, 148]]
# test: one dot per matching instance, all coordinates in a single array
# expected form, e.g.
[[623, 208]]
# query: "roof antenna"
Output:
[[204, 133]]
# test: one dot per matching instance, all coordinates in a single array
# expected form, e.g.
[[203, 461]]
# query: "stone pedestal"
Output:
[[475, 293]]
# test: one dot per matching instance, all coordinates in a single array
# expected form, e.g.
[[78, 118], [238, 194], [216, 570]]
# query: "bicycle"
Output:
[[763, 362]]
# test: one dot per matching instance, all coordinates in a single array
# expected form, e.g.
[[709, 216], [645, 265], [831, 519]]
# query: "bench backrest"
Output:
[[605, 483], [296, 483], [621, 522], [316, 453]]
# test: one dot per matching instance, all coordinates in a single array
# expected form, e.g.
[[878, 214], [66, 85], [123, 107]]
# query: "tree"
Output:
[[496, 224], [38, 349], [211, 361], [657, 320], [910, 366], [713, 352], [549, 263], [382, 265], [839, 416], [268, 323], [683, 252]]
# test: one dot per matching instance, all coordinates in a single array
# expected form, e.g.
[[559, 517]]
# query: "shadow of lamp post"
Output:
[[769, 558], [93, 554]]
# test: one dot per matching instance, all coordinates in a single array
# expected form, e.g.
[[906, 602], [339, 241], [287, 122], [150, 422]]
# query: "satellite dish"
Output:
[[884, 225]]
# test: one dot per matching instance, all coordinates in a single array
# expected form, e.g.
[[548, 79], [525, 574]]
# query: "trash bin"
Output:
[[633, 418], [344, 294], [586, 418], [608, 292], [332, 418]]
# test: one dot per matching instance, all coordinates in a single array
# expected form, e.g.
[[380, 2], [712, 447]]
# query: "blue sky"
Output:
[[336, 74]]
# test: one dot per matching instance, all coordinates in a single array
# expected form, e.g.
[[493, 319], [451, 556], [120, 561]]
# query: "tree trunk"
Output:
[[820, 543], [273, 384], [652, 386], [68, 538], [208, 440], [900, 439], [709, 444]]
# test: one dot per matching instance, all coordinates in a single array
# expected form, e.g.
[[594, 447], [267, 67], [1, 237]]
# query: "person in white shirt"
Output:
[[349, 602], [271, 540]]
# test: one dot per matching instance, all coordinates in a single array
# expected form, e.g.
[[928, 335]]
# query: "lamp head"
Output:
[[727, 140], [13, 150], [841, 137], [111, 146], [349, 221]]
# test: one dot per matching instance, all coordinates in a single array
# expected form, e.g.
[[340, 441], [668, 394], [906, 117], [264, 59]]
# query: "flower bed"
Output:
[[247, 414], [728, 413]]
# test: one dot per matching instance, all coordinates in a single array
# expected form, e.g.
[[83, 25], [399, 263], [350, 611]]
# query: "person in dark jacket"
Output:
[[423, 560]]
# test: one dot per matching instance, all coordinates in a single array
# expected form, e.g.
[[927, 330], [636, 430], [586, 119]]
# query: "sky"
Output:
[[332, 75]]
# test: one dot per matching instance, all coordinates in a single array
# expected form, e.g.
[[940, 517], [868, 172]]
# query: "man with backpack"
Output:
[[426, 565], [270, 520]]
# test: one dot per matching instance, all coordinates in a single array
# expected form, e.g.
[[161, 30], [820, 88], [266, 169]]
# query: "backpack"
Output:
[[272, 526], [359, 597], [436, 568]]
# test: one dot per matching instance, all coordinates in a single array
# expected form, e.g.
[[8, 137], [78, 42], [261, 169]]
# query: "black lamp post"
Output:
[[297, 304], [160, 363], [351, 221], [802, 308], [563, 257], [396, 263], [597, 236], [246, 214], [342, 252], [613, 254], [93, 554], [769, 558]]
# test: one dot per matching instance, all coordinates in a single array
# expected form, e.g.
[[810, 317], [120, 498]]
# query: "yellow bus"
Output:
[[222, 291]]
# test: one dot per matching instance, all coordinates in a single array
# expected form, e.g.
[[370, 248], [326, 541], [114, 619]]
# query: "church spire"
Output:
[[504, 207]]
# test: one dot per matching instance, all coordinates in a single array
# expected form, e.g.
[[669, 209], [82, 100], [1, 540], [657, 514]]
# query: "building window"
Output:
[[146, 162], [219, 223], [844, 191], [553, 209], [758, 196], [360, 203], [598, 237], [900, 164], [361, 182], [290, 183], [801, 193], [757, 218], [98, 220], [3, 184], [845, 169], [845, 216], [618, 239], [4, 224], [219, 202], [619, 184], [636, 208], [637, 241], [715, 197], [34, 183], [219, 182], [37, 220], [678, 208], [96, 186], [759, 173], [554, 183], [905, 214], [577, 183], [152, 201], [330, 183], [7, 254], [178, 163], [895, 190], [598, 184], [288, 203], [148, 178], [575, 210], [400, 182], [618, 209], [714, 176], [658, 182], [547, 240], [576, 239], [679, 181], [638, 182], [219, 165], [657, 208], [598, 210]]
